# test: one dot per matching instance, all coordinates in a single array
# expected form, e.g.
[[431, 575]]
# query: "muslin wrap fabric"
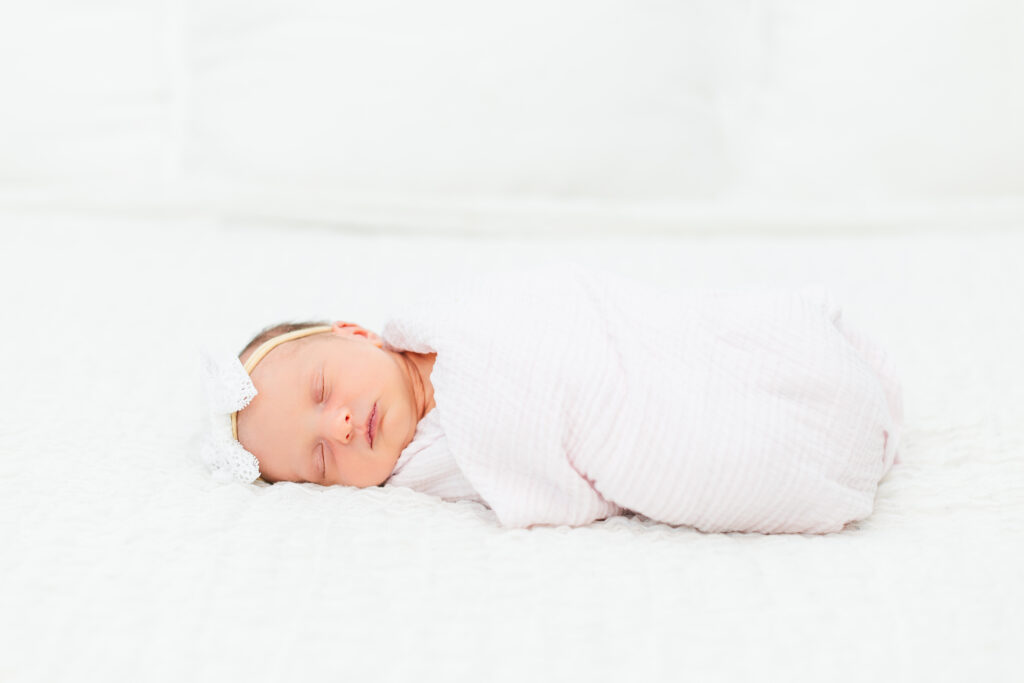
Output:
[[568, 395], [428, 466]]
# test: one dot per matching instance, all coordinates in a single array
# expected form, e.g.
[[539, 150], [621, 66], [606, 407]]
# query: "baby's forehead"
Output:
[[281, 371], [283, 361], [278, 389]]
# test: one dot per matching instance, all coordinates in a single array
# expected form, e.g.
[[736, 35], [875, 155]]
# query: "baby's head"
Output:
[[333, 407]]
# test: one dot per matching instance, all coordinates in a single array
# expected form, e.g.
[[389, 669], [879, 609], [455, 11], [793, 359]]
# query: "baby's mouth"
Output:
[[370, 425]]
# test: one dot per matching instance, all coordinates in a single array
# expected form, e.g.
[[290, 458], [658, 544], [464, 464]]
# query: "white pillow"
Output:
[[880, 101], [364, 110]]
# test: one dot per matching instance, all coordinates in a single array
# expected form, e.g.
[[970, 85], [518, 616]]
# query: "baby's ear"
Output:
[[353, 331]]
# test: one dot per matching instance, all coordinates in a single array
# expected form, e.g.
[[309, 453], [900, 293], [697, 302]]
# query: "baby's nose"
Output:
[[344, 427]]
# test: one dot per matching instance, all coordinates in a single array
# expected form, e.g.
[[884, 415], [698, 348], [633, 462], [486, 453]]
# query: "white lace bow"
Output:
[[227, 388]]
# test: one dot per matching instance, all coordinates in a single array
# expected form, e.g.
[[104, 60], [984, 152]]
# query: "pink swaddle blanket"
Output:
[[569, 395]]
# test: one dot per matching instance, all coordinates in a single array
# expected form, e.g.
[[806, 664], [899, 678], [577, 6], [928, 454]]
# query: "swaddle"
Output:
[[570, 395]]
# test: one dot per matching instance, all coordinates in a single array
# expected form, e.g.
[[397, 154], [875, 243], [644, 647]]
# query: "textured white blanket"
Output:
[[569, 395]]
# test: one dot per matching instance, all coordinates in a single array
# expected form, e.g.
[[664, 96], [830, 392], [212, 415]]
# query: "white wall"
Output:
[[535, 115]]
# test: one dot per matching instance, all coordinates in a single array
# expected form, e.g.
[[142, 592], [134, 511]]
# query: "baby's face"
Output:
[[311, 420]]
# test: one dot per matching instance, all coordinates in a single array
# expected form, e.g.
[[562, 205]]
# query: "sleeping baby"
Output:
[[568, 396]]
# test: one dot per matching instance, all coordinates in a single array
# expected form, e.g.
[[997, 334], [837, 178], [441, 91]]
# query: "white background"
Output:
[[610, 116], [179, 172]]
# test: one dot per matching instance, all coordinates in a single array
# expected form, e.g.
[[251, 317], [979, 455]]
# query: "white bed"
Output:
[[122, 560]]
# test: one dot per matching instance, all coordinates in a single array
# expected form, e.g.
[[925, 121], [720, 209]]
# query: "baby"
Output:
[[333, 405], [571, 396]]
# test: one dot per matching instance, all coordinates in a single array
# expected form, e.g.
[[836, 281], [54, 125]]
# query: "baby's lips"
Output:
[[370, 430]]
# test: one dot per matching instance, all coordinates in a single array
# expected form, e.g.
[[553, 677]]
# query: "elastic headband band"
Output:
[[268, 346]]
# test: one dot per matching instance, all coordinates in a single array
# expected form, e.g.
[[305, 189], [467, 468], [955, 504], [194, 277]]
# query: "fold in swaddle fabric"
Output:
[[568, 396]]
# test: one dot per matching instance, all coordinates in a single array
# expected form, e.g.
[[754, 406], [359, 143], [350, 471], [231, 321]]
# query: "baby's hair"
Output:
[[269, 333]]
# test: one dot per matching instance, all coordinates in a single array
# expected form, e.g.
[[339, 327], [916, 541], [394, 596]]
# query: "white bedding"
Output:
[[122, 560]]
